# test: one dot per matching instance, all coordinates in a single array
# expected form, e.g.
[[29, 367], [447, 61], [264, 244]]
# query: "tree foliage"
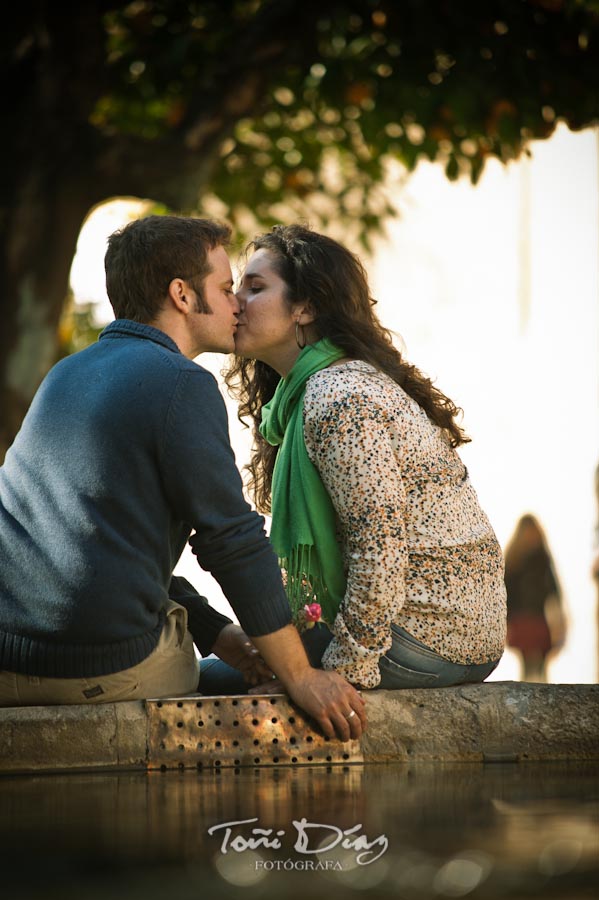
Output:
[[357, 84], [259, 110]]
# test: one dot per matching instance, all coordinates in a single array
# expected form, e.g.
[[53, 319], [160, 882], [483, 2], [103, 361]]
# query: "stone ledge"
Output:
[[494, 722]]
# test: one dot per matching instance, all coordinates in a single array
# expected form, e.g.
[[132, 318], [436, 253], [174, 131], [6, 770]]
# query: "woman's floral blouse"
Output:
[[418, 549]]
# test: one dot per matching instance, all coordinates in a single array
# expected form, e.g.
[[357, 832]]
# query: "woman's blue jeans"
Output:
[[407, 664], [218, 678], [410, 664]]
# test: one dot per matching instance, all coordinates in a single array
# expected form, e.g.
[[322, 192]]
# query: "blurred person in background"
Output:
[[536, 625]]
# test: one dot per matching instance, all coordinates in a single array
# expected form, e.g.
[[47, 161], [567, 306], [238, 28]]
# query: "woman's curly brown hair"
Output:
[[318, 270]]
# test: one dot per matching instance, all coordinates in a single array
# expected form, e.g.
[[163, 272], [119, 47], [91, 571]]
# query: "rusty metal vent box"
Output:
[[261, 730]]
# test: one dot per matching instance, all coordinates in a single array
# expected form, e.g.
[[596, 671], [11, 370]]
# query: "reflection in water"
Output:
[[506, 831]]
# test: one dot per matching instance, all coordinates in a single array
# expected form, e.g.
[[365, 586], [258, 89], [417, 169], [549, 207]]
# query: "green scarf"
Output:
[[303, 518]]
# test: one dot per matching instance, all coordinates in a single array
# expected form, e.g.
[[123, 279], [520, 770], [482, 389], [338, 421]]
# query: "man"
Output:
[[122, 456]]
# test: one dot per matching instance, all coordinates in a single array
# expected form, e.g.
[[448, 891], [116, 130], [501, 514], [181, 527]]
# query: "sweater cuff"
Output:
[[260, 609], [203, 621]]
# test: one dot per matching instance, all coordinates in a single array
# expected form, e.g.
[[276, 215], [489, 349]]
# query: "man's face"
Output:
[[214, 332]]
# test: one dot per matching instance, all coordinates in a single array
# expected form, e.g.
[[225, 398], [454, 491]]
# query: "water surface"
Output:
[[423, 831]]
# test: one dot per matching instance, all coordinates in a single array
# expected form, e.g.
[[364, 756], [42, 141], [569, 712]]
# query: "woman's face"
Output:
[[266, 326]]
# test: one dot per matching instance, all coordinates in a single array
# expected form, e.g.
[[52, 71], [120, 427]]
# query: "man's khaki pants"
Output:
[[171, 670]]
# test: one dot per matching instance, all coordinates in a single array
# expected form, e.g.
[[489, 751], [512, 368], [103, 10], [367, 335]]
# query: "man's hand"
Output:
[[337, 706], [235, 648], [329, 715], [330, 722], [325, 696]]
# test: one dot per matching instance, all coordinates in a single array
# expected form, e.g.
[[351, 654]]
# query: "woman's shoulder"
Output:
[[351, 381]]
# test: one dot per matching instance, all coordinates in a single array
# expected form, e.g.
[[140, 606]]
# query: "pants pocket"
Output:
[[394, 675], [108, 689], [402, 641], [175, 625]]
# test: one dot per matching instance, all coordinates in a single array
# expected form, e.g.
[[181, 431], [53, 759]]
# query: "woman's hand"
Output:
[[274, 686], [235, 648]]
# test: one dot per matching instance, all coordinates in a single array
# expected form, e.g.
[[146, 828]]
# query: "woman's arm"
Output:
[[348, 439]]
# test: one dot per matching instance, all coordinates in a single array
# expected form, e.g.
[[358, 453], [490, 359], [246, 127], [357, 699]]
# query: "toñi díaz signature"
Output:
[[310, 837]]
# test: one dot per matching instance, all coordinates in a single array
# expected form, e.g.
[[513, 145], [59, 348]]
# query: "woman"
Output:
[[378, 529], [535, 620]]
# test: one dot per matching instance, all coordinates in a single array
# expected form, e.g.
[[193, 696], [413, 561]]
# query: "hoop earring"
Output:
[[297, 336]]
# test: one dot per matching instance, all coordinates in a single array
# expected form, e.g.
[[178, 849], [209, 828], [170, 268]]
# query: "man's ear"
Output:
[[179, 295]]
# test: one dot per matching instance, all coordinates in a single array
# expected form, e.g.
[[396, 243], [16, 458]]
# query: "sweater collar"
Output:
[[121, 328]]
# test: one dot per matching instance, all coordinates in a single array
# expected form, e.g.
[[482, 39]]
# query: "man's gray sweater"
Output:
[[123, 456]]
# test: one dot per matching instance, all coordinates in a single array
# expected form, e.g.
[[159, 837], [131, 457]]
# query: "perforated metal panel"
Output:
[[262, 730]]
